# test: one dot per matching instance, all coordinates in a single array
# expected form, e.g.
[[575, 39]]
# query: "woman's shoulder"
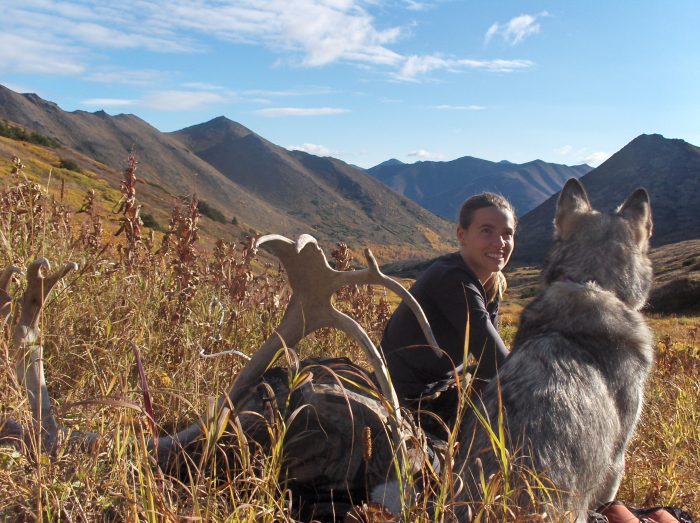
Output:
[[451, 268]]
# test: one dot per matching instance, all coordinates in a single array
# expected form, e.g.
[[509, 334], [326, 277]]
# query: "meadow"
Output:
[[179, 304]]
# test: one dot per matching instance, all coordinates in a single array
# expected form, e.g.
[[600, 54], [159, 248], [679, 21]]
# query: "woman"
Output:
[[460, 288]]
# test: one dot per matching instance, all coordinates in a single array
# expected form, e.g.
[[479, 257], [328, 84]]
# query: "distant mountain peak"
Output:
[[647, 140], [38, 100], [216, 130], [389, 163]]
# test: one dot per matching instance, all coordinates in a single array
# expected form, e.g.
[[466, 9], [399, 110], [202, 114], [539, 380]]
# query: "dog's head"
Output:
[[609, 249]]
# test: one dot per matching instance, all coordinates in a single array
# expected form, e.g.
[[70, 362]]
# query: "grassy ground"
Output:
[[173, 301]]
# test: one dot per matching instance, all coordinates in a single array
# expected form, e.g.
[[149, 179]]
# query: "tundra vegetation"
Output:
[[126, 342]]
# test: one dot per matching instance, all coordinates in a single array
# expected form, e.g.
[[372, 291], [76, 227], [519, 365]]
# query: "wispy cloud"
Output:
[[579, 155], [313, 148], [596, 158], [126, 77], [318, 33], [516, 29], [173, 100], [26, 54], [415, 66], [108, 102], [274, 112], [305, 91], [423, 154], [458, 107], [414, 5], [306, 33]]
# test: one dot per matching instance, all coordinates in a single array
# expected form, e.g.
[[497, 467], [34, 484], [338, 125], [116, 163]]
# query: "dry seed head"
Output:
[[367, 444]]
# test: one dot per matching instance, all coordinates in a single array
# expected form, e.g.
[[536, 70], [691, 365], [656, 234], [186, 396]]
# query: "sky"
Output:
[[364, 81]]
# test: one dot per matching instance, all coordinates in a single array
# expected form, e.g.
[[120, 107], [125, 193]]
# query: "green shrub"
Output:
[[211, 212], [70, 164], [18, 133], [149, 220]]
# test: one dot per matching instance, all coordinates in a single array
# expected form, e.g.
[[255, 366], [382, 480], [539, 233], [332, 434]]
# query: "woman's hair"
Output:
[[497, 285], [479, 201]]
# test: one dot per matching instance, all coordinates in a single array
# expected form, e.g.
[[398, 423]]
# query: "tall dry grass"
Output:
[[178, 305]]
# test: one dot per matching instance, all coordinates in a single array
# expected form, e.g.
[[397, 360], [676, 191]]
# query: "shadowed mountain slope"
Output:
[[442, 186], [333, 197], [265, 187], [163, 161], [668, 168]]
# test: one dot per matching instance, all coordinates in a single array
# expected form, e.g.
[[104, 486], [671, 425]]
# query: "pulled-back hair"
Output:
[[497, 285], [479, 201]]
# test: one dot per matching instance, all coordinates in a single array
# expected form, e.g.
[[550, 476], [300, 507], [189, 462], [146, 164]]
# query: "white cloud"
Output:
[[320, 32], [126, 77], [312, 148], [274, 112], [422, 154], [459, 107], [413, 5], [121, 38], [203, 86], [172, 100], [308, 91], [515, 30], [564, 150], [595, 159], [108, 102], [420, 65], [27, 54], [309, 33]]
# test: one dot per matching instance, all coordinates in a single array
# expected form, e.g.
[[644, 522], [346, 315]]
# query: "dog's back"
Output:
[[571, 391]]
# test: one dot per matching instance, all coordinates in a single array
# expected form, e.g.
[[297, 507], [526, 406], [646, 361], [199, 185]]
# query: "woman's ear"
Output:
[[460, 235]]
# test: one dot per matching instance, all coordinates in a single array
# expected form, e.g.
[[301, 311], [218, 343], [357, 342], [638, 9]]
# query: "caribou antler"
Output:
[[313, 284], [25, 340]]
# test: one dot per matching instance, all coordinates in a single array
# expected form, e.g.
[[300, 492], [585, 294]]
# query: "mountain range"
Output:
[[442, 186], [260, 187], [265, 187]]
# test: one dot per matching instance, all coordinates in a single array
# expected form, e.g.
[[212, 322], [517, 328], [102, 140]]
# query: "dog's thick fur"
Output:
[[571, 391]]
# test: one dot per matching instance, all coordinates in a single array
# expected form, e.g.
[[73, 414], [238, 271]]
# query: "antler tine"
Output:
[[6, 277], [373, 275], [5, 298], [41, 285], [25, 339]]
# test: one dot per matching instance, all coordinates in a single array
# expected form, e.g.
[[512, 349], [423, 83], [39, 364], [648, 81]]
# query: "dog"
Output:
[[570, 393]]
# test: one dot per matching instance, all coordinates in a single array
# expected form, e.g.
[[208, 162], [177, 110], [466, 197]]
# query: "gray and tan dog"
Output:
[[571, 392]]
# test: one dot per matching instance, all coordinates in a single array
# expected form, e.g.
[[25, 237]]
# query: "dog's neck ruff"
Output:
[[568, 279]]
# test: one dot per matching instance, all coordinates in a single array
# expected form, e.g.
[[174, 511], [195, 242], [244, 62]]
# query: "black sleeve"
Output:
[[485, 343]]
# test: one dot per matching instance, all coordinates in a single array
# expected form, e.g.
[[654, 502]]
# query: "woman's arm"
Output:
[[461, 303]]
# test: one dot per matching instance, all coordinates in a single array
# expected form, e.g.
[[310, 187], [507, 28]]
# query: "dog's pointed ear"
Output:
[[573, 201], [637, 211]]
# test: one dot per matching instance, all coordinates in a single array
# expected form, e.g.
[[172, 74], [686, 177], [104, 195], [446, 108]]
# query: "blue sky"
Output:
[[368, 80]]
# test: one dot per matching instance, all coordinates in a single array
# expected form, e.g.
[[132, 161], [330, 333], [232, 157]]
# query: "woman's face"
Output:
[[486, 245]]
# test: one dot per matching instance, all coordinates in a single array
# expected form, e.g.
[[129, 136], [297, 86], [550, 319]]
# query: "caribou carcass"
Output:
[[334, 414]]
